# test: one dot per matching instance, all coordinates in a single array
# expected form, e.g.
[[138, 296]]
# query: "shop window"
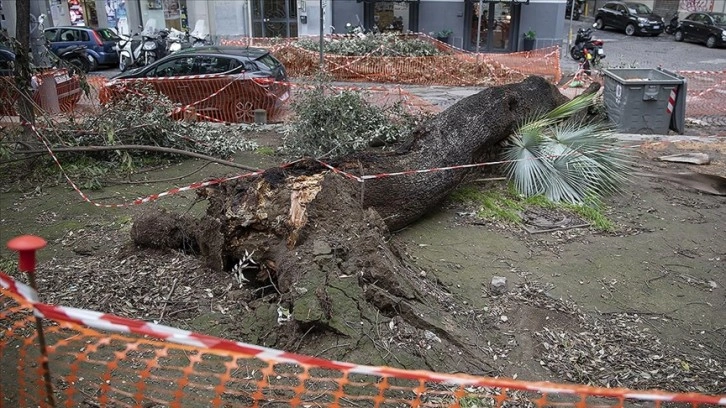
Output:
[[391, 17]]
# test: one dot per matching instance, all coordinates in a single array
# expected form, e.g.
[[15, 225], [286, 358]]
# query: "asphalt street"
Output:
[[648, 52]]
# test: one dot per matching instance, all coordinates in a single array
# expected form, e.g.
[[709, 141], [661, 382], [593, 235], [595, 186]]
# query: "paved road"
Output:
[[649, 52]]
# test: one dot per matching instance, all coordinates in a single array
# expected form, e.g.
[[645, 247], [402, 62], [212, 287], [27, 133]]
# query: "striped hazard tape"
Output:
[[671, 100], [109, 322]]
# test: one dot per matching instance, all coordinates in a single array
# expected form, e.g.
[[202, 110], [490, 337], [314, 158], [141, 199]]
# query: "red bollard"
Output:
[[26, 246]]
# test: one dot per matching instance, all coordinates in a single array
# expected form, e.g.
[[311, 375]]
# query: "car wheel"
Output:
[[124, 63], [92, 63], [599, 24], [678, 36], [575, 53], [711, 41], [630, 30]]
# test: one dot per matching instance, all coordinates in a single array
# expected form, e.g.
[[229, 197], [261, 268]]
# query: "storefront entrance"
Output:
[[390, 16], [274, 18], [498, 29], [165, 13], [83, 13]]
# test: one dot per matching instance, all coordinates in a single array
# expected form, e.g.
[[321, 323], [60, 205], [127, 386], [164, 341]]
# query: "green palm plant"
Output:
[[565, 160]]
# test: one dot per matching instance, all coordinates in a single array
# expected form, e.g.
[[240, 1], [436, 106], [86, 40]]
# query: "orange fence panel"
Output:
[[67, 91], [98, 359], [221, 98]]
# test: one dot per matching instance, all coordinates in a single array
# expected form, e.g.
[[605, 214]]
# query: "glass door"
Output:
[[494, 32], [274, 18]]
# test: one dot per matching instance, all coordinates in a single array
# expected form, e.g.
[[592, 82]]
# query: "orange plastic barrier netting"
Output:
[[93, 368], [67, 91], [454, 67], [210, 97], [706, 93]]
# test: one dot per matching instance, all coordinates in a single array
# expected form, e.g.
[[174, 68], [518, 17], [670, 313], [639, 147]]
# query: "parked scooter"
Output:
[[176, 41], [587, 49], [76, 56], [199, 37], [140, 49], [672, 25]]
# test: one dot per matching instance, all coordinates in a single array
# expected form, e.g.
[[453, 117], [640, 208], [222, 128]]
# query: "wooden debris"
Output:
[[690, 158]]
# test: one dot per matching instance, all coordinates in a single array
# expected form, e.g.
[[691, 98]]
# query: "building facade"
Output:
[[486, 25]]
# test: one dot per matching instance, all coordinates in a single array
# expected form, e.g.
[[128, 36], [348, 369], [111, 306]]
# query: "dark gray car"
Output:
[[632, 18], [704, 27]]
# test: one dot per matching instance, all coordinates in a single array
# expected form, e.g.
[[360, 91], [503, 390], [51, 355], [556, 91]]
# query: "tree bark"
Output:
[[23, 72], [468, 132]]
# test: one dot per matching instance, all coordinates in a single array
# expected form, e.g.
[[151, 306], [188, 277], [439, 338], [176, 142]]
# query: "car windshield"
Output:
[[719, 18], [637, 8], [269, 61], [107, 35]]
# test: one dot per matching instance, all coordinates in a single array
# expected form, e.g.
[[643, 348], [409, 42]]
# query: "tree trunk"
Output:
[[468, 132], [23, 73], [317, 244]]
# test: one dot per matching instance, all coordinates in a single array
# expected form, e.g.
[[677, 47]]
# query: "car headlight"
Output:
[[642, 20]]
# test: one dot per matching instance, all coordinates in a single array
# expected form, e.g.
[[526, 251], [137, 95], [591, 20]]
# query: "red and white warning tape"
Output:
[[109, 322], [671, 101]]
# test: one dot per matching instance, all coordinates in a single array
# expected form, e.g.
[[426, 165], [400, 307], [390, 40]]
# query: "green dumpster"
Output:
[[645, 101]]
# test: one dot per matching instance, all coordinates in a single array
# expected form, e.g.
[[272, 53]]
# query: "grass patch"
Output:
[[593, 214], [265, 150], [505, 204]]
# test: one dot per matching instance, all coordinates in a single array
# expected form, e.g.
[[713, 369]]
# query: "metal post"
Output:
[[478, 33], [26, 246], [569, 36], [322, 42]]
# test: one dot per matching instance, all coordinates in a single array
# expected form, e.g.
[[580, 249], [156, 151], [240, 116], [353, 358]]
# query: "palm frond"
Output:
[[565, 160]]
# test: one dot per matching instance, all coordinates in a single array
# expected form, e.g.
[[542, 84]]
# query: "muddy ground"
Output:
[[642, 306]]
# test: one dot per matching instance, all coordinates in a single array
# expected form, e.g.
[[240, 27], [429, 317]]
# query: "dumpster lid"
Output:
[[640, 76]]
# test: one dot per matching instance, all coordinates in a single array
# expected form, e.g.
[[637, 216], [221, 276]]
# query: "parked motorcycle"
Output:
[[176, 41], [138, 50], [75, 56], [586, 49], [672, 25], [199, 37]]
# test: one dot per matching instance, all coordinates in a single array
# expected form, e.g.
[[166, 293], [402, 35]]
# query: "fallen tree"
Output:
[[311, 248]]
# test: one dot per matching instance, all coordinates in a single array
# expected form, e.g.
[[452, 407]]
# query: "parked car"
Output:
[[633, 18], [99, 42], [201, 77], [706, 27]]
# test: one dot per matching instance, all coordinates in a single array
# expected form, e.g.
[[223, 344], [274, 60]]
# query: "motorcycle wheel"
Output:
[[79, 64], [124, 63], [575, 53]]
